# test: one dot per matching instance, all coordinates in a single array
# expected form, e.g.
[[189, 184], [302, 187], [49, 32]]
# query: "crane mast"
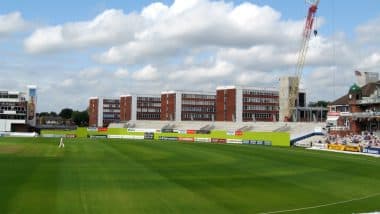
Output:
[[294, 81]]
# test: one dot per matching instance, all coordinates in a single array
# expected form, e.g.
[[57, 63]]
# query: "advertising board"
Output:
[[338, 147], [230, 132], [372, 150], [149, 135], [218, 140], [70, 135], [92, 129], [258, 142], [191, 132], [202, 139], [186, 139], [136, 137], [142, 130], [168, 138], [352, 148], [98, 136], [235, 141]]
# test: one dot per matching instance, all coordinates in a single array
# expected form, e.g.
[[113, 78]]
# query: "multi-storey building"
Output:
[[13, 110], [187, 106], [103, 111], [246, 104], [356, 111], [359, 109], [140, 107], [230, 103]]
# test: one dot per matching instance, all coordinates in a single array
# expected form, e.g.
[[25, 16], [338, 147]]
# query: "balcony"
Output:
[[368, 101], [365, 114]]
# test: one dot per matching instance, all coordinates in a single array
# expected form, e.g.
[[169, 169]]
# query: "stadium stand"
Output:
[[284, 128], [118, 125], [296, 130], [245, 128], [131, 125], [309, 141], [207, 127]]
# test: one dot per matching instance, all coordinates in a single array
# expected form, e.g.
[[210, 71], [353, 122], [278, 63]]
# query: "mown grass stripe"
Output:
[[122, 176]]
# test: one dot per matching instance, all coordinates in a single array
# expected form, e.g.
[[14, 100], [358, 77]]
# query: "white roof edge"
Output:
[[141, 95], [105, 98], [189, 92], [226, 87], [93, 98], [168, 92], [126, 95], [14, 92], [246, 88]]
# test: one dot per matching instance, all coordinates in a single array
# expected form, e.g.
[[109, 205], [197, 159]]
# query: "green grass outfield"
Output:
[[119, 176]]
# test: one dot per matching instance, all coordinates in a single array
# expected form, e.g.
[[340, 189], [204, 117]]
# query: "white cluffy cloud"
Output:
[[121, 73], [369, 32], [160, 30], [90, 72], [200, 44], [148, 73], [200, 74], [201, 24], [12, 22], [109, 27]]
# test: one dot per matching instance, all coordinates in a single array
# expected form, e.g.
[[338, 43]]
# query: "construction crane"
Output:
[[295, 80]]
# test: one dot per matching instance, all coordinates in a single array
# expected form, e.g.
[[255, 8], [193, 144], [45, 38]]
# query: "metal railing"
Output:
[[339, 128], [369, 100], [366, 114]]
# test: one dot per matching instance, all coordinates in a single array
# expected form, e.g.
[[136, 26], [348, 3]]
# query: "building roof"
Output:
[[365, 90], [340, 101], [368, 89]]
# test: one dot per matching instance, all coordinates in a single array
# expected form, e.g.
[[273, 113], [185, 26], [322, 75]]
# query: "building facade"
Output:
[[356, 111], [103, 111], [246, 104], [18, 110], [228, 103], [140, 107], [359, 109], [188, 106]]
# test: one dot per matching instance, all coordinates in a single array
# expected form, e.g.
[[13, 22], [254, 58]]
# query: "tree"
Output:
[[80, 118], [43, 114], [66, 113], [320, 103], [53, 114]]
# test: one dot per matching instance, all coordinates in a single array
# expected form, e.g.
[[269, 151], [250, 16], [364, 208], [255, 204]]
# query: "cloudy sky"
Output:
[[73, 50]]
